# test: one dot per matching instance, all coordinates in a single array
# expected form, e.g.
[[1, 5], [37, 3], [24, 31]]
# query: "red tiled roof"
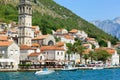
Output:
[[68, 37], [5, 43], [40, 37], [2, 32], [35, 44], [109, 50], [91, 39], [58, 30], [25, 47], [34, 27], [44, 48], [3, 38], [34, 54], [60, 44], [36, 32], [86, 44], [73, 31]]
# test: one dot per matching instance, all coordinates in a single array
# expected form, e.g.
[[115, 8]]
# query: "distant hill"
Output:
[[51, 16], [110, 26]]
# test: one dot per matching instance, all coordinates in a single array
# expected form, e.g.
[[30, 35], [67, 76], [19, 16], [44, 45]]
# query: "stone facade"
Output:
[[25, 23]]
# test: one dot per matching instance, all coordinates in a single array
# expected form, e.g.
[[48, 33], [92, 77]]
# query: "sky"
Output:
[[93, 9]]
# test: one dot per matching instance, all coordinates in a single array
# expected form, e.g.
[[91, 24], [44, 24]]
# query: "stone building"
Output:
[[25, 23]]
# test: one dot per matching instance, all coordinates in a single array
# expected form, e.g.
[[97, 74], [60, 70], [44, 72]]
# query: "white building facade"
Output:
[[10, 53]]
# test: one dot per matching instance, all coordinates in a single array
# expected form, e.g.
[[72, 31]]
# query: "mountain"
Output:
[[110, 26], [51, 16]]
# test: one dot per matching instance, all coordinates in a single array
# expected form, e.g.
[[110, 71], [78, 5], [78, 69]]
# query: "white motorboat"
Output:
[[97, 67], [69, 68], [44, 72]]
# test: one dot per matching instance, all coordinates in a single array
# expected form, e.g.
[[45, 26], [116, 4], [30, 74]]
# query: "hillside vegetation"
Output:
[[51, 16]]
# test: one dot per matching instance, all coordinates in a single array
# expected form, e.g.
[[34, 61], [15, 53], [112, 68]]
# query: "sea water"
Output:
[[104, 74]]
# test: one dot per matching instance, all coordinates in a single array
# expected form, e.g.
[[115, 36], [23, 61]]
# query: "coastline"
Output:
[[56, 69]]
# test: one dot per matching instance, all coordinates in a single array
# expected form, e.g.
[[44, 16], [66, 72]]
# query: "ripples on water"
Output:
[[105, 74]]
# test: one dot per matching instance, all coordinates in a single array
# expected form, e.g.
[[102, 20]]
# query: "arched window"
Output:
[[50, 43], [40, 57]]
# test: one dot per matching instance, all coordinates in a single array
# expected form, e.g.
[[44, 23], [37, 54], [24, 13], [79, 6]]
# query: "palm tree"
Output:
[[91, 55], [86, 56], [69, 50], [80, 50]]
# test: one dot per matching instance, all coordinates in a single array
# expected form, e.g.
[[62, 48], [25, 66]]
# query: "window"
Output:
[[40, 57], [61, 53], [57, 53], [16, 51], [26, 33], [11, 52], [50, 43], [3, 52]]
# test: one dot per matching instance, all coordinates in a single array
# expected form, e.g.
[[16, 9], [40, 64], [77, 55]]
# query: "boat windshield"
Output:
[[45, 69]]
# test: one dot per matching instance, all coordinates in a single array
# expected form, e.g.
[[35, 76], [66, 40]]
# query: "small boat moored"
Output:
[[97, 67], [69, 68], [44, 71]]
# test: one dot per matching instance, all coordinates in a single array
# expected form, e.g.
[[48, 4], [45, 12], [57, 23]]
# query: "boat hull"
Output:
[[44, 72], [94, 68], [72, 69]]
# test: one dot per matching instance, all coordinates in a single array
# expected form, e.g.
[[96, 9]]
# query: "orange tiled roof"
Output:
[[35, 54], [34, 27], [25, 47], [35, 44], [41, 37], [91, 39], [2, 32], [60, 44], [68, 37], [86, 44], [44, 48], [5, 43], [73, 31], [58, 30], [109, 50], [36, 32], [3, 38]]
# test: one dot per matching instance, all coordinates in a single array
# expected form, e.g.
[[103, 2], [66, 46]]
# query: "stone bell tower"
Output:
[[25, 23]]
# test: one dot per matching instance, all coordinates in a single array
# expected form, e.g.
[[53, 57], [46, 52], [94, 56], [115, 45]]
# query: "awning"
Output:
[[7, 60]]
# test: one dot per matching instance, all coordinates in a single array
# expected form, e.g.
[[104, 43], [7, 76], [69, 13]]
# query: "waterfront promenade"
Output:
[[57, 69]]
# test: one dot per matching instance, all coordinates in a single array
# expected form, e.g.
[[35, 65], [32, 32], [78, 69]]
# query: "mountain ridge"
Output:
[[110, 26]]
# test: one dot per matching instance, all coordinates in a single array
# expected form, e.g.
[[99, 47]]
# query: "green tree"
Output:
[[57, 39], [103, 43], [91, 55], [80, 50], [86, 56], [101, 55], [69, 50]]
